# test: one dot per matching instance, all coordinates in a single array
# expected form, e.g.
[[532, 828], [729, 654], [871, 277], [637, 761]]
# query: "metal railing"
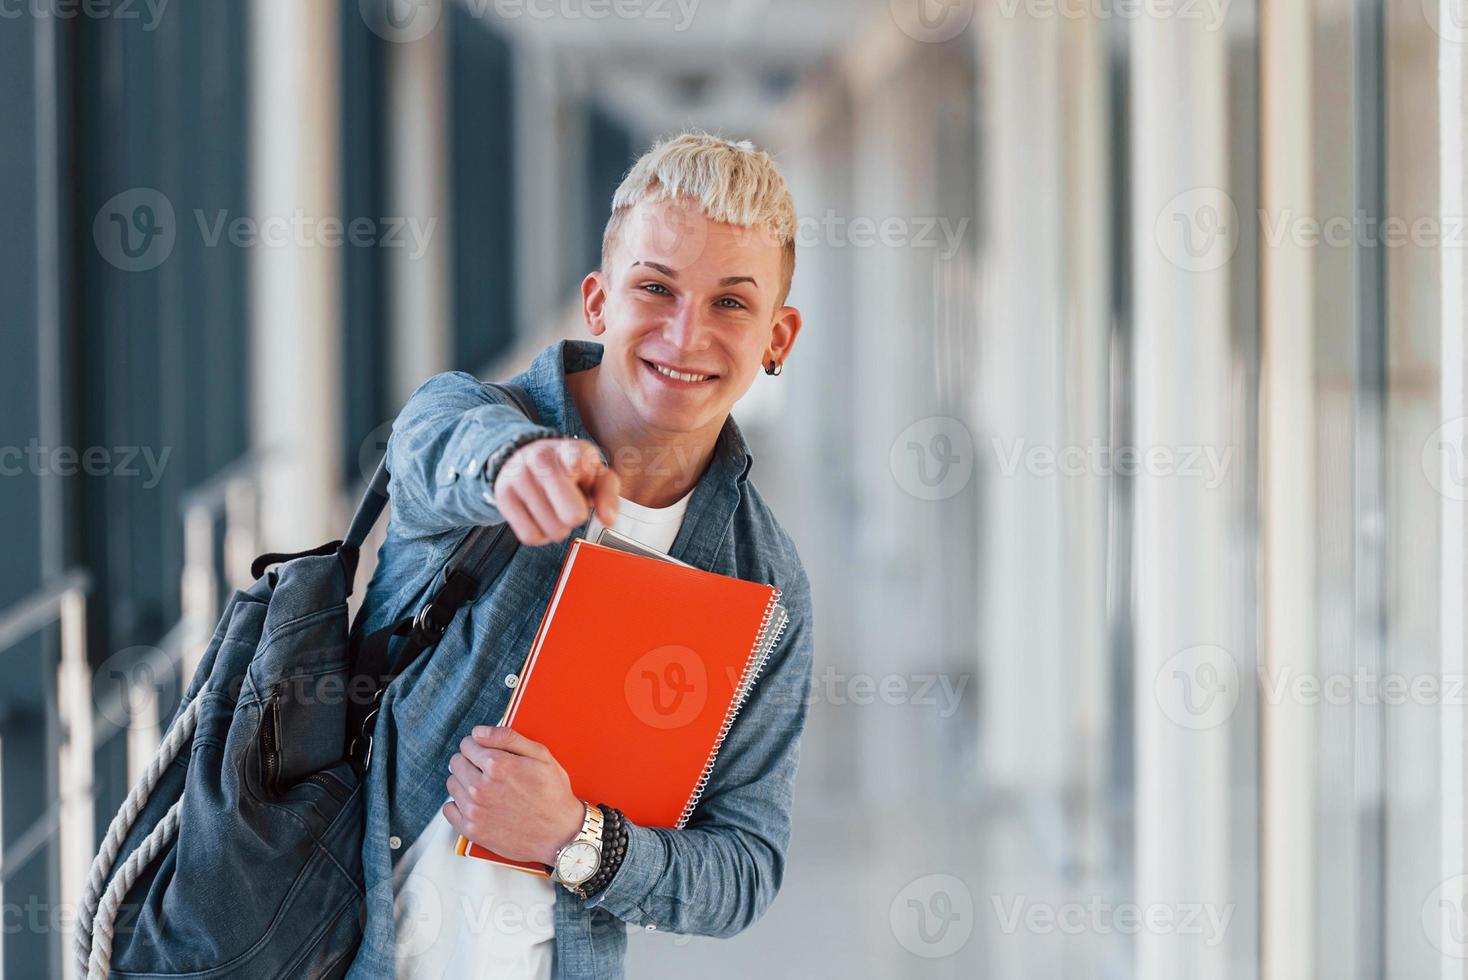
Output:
[[84, 716], [62, 603]]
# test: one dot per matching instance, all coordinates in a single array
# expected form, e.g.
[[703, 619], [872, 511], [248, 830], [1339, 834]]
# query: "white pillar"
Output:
[[1023, 714], [1453, 102], [420, 286], [1179, 156], [295, 287], [1288, 601], [1086, 325]]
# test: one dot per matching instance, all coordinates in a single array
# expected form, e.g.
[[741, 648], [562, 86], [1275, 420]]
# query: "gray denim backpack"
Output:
[[239, 851]]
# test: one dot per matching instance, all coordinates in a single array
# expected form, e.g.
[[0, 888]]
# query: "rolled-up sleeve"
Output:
[[450, 427], [718, 875]]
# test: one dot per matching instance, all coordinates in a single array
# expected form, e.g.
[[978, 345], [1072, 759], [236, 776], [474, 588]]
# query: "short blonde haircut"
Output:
[[731, 182]]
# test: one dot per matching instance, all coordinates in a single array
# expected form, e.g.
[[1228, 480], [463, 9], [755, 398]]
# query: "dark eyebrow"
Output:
[[671, 274], [658, 266]]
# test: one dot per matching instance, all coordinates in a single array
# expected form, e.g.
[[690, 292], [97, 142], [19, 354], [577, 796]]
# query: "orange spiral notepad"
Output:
[[636, 674]]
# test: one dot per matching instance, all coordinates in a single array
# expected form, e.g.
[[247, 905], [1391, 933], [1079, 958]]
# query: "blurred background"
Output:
[[1125, 441]]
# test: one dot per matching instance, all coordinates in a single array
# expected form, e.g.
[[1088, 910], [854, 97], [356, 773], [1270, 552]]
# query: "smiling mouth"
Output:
[[681, 377]]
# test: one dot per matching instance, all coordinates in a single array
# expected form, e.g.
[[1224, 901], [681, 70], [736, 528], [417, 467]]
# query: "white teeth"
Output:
[[680, 375]]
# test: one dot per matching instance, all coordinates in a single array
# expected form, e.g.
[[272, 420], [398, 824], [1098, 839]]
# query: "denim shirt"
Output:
[[719, 873]]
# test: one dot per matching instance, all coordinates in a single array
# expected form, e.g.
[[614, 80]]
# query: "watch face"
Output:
[[577, 862]]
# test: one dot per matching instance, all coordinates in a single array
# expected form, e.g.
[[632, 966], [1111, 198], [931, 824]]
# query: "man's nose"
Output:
[[688, 328]]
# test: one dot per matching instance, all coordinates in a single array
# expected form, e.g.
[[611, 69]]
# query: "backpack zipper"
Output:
[[270, 745]]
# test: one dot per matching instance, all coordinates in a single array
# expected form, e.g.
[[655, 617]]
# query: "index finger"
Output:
[[597, 480], [604, 495]]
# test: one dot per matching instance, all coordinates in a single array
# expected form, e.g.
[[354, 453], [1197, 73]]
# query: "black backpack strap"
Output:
[[477, 561]]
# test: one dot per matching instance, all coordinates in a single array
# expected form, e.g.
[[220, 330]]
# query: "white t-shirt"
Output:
[[467, 919]]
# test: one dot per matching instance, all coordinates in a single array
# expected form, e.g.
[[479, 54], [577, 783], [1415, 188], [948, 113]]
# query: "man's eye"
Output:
[[730, 299], [659, 287]]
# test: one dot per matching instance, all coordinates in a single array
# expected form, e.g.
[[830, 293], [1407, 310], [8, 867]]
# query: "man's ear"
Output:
[[594, 302], [782, 335]]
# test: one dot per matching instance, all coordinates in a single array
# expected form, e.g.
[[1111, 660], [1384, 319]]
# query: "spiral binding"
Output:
[[759, 653]]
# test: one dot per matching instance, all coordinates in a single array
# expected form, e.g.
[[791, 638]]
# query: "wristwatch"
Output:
[[577, 861]]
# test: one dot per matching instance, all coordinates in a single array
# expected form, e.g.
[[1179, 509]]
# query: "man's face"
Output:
[[692, 295]]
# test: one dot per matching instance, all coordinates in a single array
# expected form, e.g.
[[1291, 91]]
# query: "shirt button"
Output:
[[473, 468], [650, 927], [511, 680], [395, 842]]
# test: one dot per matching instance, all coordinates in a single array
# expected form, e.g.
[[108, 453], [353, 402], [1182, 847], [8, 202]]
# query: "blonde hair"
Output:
[[731, 182]]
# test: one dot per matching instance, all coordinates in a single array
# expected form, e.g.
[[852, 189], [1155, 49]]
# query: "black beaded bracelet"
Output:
[[613, 850]]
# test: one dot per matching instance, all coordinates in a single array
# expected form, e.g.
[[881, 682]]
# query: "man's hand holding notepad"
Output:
[[636, 674]]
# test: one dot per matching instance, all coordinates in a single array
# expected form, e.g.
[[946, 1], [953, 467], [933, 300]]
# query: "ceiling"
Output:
[[714, 63]]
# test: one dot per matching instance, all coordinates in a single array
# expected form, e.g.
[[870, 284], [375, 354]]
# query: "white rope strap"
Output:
[[97, 912]]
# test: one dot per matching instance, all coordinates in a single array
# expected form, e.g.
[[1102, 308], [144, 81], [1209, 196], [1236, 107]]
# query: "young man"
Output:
[[688, 305]]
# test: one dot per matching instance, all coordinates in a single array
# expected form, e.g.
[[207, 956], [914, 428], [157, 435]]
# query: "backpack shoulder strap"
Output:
[[477, 560]]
